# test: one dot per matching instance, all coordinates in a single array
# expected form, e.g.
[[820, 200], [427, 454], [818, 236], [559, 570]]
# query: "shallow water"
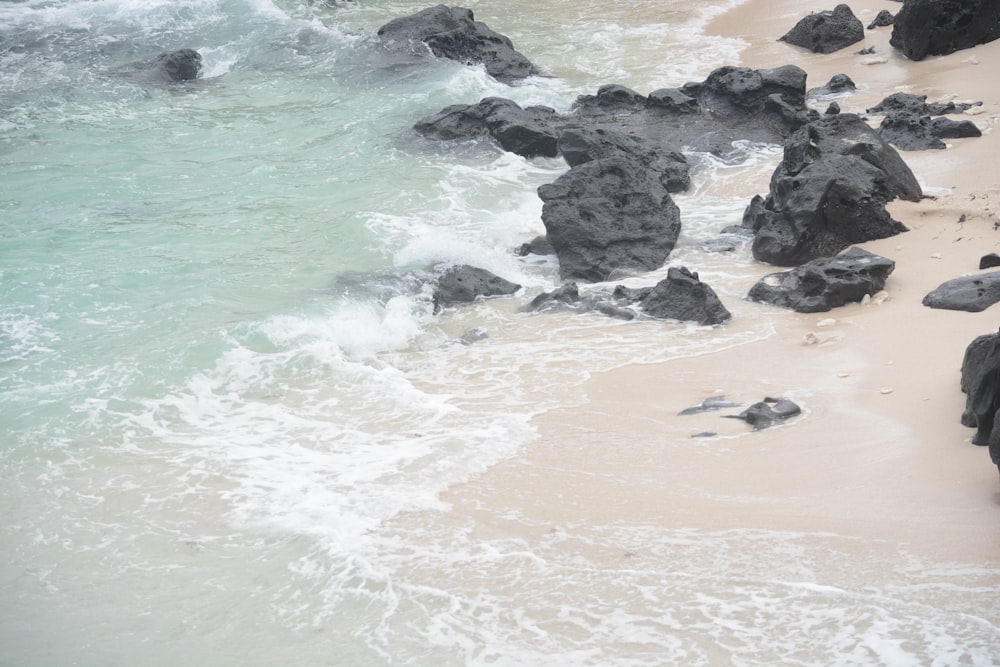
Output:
[[229, 412]]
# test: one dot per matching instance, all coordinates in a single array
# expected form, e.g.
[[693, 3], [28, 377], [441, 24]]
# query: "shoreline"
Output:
[[880, 454]]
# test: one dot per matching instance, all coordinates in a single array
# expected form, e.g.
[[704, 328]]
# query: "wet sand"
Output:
[[879, 455]]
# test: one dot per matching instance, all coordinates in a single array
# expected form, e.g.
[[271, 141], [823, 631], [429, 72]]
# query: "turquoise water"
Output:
[[224, 395]]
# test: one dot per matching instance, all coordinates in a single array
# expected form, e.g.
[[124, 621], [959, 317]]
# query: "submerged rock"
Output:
[[180, 65], [454, 33], [826, 32], [829, 192], [969, 293], [825, 283], [709, 404]]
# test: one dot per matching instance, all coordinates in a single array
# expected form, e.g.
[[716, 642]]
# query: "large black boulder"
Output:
[[578, 146], [826, 32], [454, 33], [829, 192], [825, 283], [180, 65], [608, 216], [529, 132], [464, 284], [969, 293], [938, 27], [680, 296], [981, 384]]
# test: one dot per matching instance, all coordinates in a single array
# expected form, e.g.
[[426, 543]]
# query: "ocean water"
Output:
[[228, 411]]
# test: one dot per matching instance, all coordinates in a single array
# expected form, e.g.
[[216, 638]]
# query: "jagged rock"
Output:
[[733, 103], [908, 125], [825, 283], [826, 32], [578, 146], [882, 19], [989, 261], [832, 110], [829, 192], [980, 382], [969, 293], [529, 132], [453, 33], [180, 65], [769, 412], [939, 27], [679, 296], [606, 216], [464, 284]]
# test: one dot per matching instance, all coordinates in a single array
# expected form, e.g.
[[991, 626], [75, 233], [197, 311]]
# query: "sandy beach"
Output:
[[879, 454]]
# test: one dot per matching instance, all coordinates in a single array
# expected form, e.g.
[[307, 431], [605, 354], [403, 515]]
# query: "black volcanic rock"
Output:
[[606, 216], [733, 103], [882, 19], [180, 65], [578, 146], [464, 284], [938, 27], [769, 412], [989, 261], [907, 122], [969, 293], [826, 32], [454, 33], [980, 382], [825, 283], [679, 296], [829, 192], [838, 83]]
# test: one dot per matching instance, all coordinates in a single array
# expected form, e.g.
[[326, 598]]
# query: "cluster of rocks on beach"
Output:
[[611, 214]]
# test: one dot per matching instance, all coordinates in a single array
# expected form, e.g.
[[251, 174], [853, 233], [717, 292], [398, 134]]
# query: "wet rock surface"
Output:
[[826, 32]]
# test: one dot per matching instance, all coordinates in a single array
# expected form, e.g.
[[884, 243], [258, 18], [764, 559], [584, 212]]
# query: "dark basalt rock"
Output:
[[882, 19], [989, 261], [939, 27], [908, 125], [464, 284], [606, 216], [453, 33], [180, 65], [981, 384], [769, 412], [829, 192], [537, 246], [579, 146], [826, 283], [679, 296], [826, 32], [529, 132], [969, 293], [838, 83], [733, 103]]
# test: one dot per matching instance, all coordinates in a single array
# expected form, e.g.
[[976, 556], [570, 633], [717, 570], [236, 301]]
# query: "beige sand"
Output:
[[881, 453]]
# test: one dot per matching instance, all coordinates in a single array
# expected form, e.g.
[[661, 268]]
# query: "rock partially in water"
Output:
[[826, 32], [464, 284], [769, 412], [180, 65], [825, 283], [454, 33]]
